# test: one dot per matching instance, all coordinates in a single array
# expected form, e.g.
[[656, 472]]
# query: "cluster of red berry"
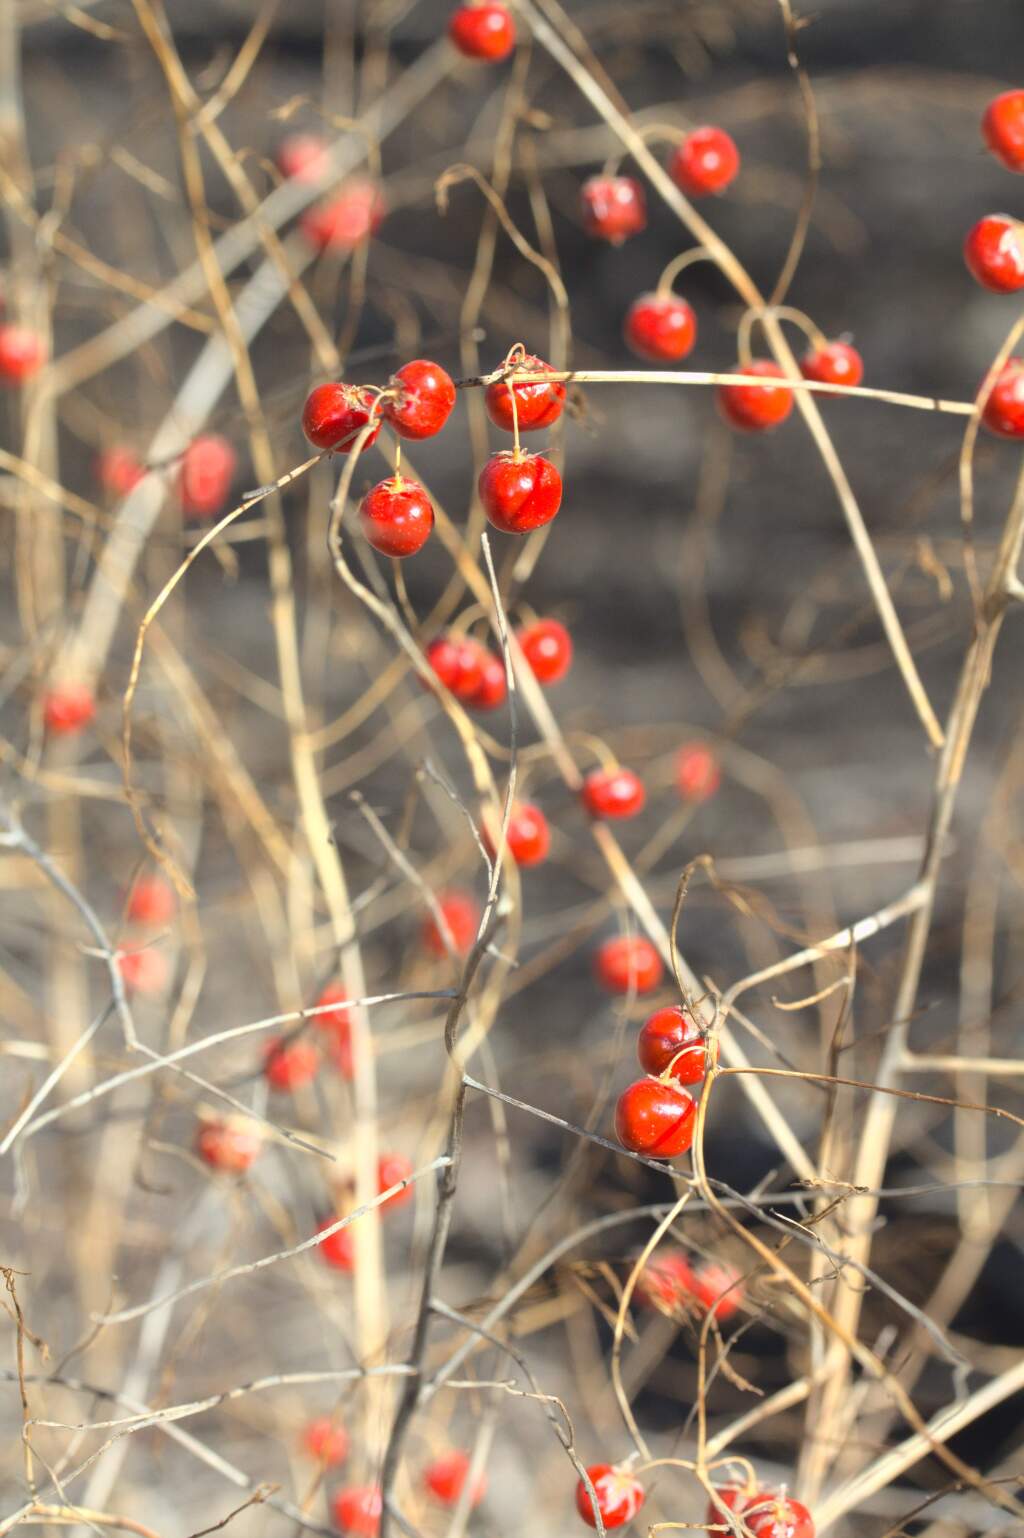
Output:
[[656, 1115], [357, 1508], [672, 1284], [765, 1514], [994, 253], [150, 905]]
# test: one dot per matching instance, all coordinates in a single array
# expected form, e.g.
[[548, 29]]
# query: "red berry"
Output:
[[326, 1441], [736, 1498], [204, 481], [335, 414], [778, 1517], [493, 686], [655, 1118], [628, 962], [619, 1495], [391, 1168], [756, 408], [357, 1510], [706, 161], [426, 396], [661, 327], [528, 839], [336, 1025], [833, 363], [145, 970], [484, 31], [231, 1145], [354, 214], [458, 662], [670, 1034], [339, 1248], [614, 207], [22, 354], [151, 901], [1003, 129], [547, 647], [994, 253], [462, 915], [613, 793], [698, 775], [537, 405], [1004, 409], [396, 517], [288, 1065], [520, 492], [446, 1477], [302, 157], [117, 471], [666, 1282], [68, 708], [717, 1288]]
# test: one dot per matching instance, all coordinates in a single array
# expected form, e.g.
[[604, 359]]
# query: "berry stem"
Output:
[[676, 266]]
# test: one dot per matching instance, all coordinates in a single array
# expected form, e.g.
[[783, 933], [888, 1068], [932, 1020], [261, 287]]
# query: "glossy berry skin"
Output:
[[613, 793], [232, 1145], [22, 354], [445, 1479], [302, 157], [673, 1037], [619, 1496], [396, 517], [537, 405], [335, 414], [520, 492], [655, 1119], [1003, 129], [338, 1250], [1004, 409], [528, 839], [666, 1282], [660, 327], [118, 471], [994, 253], [145, 971], [462, 915], [458, 662], [486, 32], [547, 647], [207, 468], [335, 1026], [357, 1510], [778, 1517], [289, 1065], [151, 901], [493, 687], [614, 208], [716, 1288], [756, 408], [698, 774], [628, 963], [391, 1168], [350, 217], [835, 363], [424, 400], [705, 162], [326, 1441], [68, 709]]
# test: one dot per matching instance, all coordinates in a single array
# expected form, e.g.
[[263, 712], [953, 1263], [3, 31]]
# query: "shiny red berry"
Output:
[[446, 1477], [628, 963], [493, 686], [483, 31], [1003, 129], [655, 1119], [396, 517], [736, 1498], [151, 901], [338, 1250], [613, 793], [520, 492], [778, 1517], [833, 363], [528, 838], [232, 1145], [661, 327], [68, 708], [537, 405], [614, 208], [994, 253], [717, 1288], [302, 157], [458, 662], [22, 354], [706, 161], [145, 971], [698, 774], [673, 1036], [335, 1027], [756, 408], [666, 1282], [1004, 409], [462, 915], [335, 414], [619, 1495], [326, 1441], [547, 647], [117, 471], [207, 468], [357, 1510], [424, 400], [391, 1168], [290, 1064], [350, 217]]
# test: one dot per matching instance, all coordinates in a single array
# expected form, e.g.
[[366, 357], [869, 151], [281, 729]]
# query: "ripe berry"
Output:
[[493, 686], [833, 363], [666, 1282], [655, 1118], [22, 354], [706, 161], [357, 1510], [614, 207], [778, 1517], [426, 396], [231, 1145], [613, 793], [716, 1287], [326, 1441], [462, 915], [1003, 129], [736, 1498], [302, 157], [391, 1168], [335, 414], [1004, 409], [698, 775], [756, 408], [396, 517], [670, 1034], [204, 481], [445, 1478], [117, 471], [661, 327], [338, 1249], [68, 708], [619, 1495], [628, 963], [458, 662], [288, 1065], [483, 31], [537, 405], [354, 214], [528, 839], [145, 970], [336, 1026], [547, 647], [151, 901], [520, 492], [994, 253]]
